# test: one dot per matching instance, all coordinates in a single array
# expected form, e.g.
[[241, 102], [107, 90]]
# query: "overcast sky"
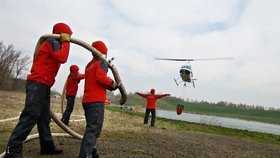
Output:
[[138, 31]]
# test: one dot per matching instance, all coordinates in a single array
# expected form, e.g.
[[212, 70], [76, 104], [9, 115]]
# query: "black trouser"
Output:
[[36, 110], [70, 105], [147, 113], [94, 113]]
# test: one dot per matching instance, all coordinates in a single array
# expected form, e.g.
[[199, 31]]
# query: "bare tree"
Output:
[[12, 65], [21, 65]]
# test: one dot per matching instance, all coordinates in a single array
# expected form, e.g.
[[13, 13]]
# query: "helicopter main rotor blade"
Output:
[[226, 58], [173, 59], [182, 59]]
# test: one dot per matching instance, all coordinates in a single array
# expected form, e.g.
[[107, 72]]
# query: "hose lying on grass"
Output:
[[35, 136], [61, 125], [9, 119]]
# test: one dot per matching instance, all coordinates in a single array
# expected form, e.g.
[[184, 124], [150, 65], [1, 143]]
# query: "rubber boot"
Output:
[[95, 154], [49, 149], [14, 156]]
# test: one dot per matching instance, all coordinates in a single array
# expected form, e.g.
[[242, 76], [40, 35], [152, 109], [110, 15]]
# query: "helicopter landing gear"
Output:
[[176, 81], [193, 82]]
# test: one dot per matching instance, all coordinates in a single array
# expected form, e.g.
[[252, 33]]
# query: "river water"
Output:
[[222, 121]]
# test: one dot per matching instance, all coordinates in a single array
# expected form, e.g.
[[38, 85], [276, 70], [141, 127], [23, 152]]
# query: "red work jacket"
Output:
[[51, 53], [151, 99], [96, 81], [72, 83]]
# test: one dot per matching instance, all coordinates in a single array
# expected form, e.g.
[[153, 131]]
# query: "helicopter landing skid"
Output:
[[193, 82], [185, 83], [176, 82]]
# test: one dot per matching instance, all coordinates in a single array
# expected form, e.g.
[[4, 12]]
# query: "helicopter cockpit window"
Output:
[[183, 71]]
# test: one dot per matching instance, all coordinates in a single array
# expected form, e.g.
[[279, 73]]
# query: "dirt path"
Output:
[[163, 144]]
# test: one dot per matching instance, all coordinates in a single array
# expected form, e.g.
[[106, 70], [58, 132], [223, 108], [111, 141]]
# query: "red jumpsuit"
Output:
[[73, 80], [151, 105], [96, 83], [50, 54], [71, 90]]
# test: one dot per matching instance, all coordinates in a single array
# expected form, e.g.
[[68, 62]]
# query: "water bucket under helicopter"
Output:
[[180, 109]]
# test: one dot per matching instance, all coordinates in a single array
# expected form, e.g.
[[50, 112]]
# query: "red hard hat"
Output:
[[74, 68], [152, 91], [62, 28], [100, 46]]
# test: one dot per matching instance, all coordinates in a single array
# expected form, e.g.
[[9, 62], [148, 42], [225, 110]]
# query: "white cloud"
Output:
[[138, 31]]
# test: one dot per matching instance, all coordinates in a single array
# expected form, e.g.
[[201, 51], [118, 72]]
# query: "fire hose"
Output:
[[96, 54], [35, 136]]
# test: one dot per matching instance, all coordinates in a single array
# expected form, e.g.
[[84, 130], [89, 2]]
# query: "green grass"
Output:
[[243, 134]]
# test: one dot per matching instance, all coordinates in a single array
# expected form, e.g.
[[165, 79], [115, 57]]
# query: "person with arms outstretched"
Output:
[[151, 105]]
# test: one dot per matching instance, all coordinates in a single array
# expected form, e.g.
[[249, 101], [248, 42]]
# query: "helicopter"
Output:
[[185, 72]]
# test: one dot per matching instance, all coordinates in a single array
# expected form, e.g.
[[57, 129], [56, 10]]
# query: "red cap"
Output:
[[152, 91], [62, 28], [100, 46], [74, 68]]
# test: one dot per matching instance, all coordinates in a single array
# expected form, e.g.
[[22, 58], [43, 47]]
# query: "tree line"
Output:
[[172, 101], [13, 63]]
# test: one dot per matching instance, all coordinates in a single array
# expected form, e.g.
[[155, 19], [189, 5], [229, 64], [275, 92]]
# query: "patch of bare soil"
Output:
[[163, 144]]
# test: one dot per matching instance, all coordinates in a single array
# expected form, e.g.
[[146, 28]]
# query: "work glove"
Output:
[[64, 37], [114, 86]]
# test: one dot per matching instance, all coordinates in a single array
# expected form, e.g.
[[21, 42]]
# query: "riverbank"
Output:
[[227, 122]]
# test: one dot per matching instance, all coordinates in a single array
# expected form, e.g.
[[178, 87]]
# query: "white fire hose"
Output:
[[96, 54]]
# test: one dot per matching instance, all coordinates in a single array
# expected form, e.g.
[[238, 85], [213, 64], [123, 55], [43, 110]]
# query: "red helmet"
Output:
[[152, 91], [62, 28], [100, 46], [74, 68]]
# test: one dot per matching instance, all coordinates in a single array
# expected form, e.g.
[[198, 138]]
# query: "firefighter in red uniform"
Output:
[[50, 54], [96, 83], [151, 105], [72, 82]]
